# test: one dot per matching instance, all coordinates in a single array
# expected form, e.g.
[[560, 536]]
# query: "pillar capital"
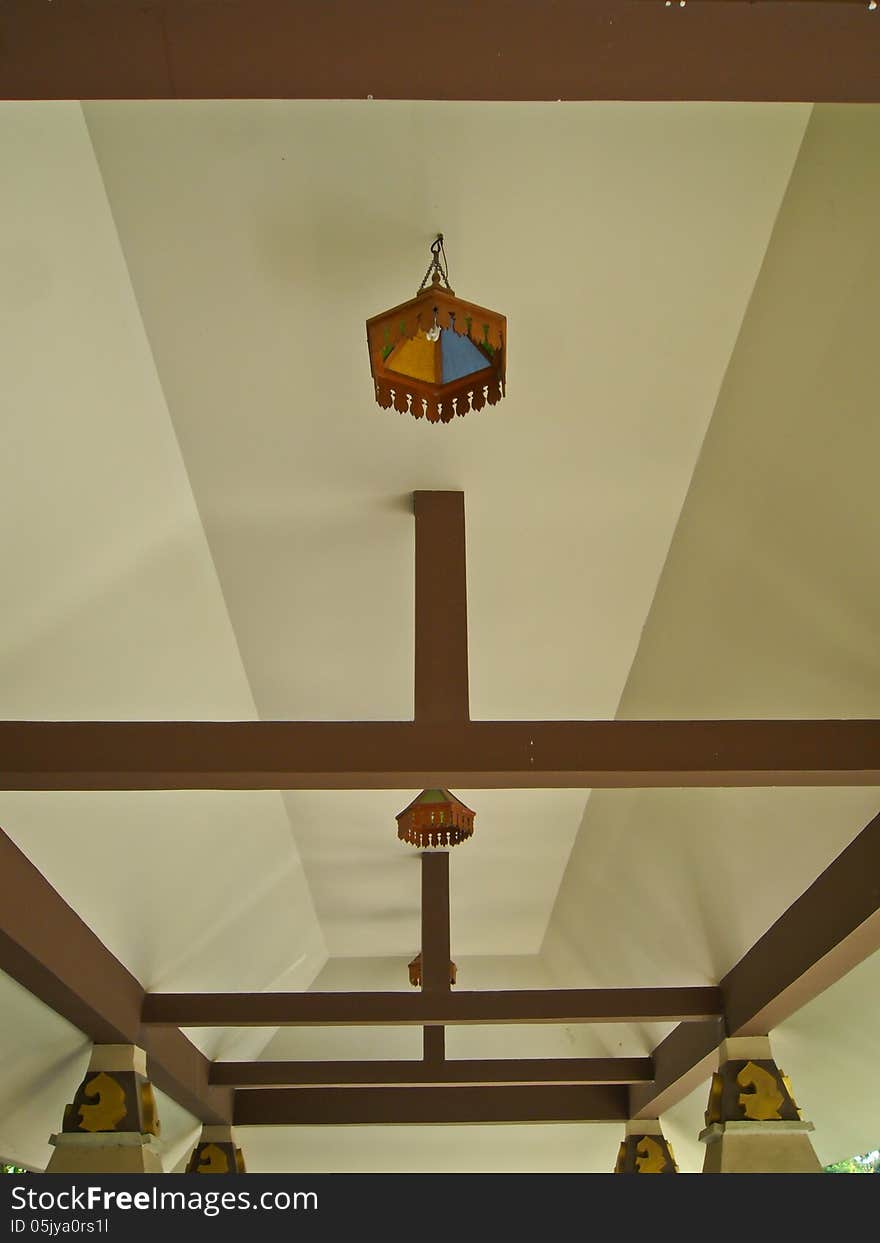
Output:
[[216, 1152], [112, 1123], [645, 1149], [753, 1123]]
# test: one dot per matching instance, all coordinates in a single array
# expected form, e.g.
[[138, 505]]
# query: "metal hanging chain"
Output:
[[438, 264]]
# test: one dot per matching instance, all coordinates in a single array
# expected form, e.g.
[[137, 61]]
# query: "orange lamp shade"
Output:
[[436, 356], [435, 819]]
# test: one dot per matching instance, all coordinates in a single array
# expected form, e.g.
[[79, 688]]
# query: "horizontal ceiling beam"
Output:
[[569, 1070], [600, 1005], [261, 755], [47, 948], [345, 49], [409, 1105], [832, 927]]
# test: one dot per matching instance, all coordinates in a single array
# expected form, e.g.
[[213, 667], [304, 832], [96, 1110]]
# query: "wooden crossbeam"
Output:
[[47, 948], [260, 755], [273, 49], [569, 1070], [447, 1104], [833, 926], [601, 1005]]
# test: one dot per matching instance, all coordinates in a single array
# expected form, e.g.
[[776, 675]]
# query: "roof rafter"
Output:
[[435, 951], [833, 926], [51, 952]]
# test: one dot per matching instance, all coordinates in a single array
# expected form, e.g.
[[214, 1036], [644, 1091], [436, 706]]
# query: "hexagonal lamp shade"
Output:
[[436, 356], [435, 819]]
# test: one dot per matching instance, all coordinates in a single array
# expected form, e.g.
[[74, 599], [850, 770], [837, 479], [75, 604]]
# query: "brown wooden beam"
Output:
[[833, 926], [441, 638], [434, 1044], [359, 1106], [182, 1072], [269, 755], [681, 1063], [435, 949], [579, 49], [572, 1070], [600, 1005], [435, 921], [47, 948]]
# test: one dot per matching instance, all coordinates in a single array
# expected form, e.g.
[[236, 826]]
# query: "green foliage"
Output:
[[12, 1169], [868, 1163]]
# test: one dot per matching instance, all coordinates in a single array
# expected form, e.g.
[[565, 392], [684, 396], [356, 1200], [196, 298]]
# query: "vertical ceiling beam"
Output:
[[435, 943], [441, 644], [435, 921], [434, 1044]]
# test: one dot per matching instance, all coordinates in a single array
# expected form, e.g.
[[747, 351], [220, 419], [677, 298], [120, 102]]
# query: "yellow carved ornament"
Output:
[[763, 1104], [110, 1107], [149, 1113], [650, 1157], [713, 1110], [785, 1079], [212, 1160]]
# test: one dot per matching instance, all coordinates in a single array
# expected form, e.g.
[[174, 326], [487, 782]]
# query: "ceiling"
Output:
[[670, 515]]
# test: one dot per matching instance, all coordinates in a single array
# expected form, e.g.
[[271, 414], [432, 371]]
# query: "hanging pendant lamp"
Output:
[[437, 356], [436, 818]]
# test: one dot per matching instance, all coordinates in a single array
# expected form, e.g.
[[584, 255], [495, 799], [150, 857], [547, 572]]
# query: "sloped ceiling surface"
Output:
[[212, 520], [768, 606], [111, 604]]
